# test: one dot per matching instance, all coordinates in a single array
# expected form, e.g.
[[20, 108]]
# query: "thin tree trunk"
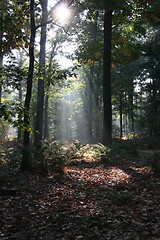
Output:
[[126, 128], [131, 107], [40, 97], [90, 114], [121, 117], [107, 120], [97, 109], [26, 164], [20, 100], [1, 62], [20, 97], [46, 128]]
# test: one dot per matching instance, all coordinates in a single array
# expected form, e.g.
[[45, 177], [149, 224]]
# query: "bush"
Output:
[[154, 162], [50, 155], [125, 148], [149, 142]]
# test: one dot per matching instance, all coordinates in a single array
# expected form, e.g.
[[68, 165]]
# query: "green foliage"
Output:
[[55, 155], [125, 148], [9, 113], [149, 142], [50, 155], [10, 158], [13, 23], [154, 162], [78, 153], [12, 75], [158, 199]]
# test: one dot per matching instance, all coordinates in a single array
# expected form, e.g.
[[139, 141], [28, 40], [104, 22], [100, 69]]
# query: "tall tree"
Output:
[[40, 96], [26, 164], [1, 62], [107, 120], [20, 95]]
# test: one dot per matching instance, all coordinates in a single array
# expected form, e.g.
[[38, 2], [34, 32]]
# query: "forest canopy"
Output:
[[79, 70]]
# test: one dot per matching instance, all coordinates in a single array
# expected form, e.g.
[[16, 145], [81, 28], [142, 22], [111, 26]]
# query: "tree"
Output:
[[1, 63], [41, 80], [26, 164], [52, 69], [107, 121], [40, 96]]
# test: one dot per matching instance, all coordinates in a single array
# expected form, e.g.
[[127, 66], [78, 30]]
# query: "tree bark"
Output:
[[98, 130], [107, 119], [121, 116], [26, 158], [131, 107], [20, 96], [90, 109], [20, 100], [1, 61], [40, 96], [46, 128]]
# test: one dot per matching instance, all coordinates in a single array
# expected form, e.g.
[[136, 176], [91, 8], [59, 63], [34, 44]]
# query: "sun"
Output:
[[62, 13]]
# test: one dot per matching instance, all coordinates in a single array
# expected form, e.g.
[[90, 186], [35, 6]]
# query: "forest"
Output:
[[80, 119]]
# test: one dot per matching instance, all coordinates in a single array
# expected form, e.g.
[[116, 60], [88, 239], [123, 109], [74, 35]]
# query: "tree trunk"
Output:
[[126, 113], [121, 116], [46, 129], [90, 80], [40, 97], [97, 110], [20, 96], [26, 164], [107, 119], [131, 107], [20, 100], [1, 62]]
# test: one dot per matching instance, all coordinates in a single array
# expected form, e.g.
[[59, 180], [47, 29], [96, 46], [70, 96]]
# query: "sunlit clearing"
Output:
[[62, 13]]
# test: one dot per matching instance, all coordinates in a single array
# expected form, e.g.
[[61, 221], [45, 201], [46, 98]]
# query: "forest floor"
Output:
[[90, 200]]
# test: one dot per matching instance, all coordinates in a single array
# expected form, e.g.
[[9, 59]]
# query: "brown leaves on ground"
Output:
[[89, 201]]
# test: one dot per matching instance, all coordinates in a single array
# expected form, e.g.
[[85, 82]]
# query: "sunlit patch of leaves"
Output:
[[99, 175], [143, 170]]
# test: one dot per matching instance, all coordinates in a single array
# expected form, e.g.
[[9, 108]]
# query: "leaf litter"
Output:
[[88, 201]]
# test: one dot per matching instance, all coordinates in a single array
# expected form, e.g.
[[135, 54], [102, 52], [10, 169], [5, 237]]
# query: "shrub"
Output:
[[125, 148], [154, 162], [50, 155]]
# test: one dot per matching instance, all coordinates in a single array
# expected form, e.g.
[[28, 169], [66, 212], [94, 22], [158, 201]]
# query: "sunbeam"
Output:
[[62, 13]]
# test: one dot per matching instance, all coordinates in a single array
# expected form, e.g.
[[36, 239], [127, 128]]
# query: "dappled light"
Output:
[[92, 196], [100, 175], [143, 170]]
